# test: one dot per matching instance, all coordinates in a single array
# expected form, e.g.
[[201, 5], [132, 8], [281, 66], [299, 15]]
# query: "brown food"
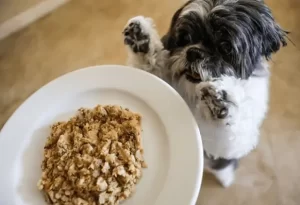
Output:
[[95, 158]]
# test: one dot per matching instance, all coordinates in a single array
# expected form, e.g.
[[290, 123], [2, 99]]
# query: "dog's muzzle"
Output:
[[193, 56]]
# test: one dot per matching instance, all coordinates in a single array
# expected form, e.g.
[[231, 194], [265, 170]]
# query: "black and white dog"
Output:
[[215, 55]]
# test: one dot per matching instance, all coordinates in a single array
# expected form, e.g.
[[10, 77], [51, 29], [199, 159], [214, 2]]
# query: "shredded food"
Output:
[[94, 158]]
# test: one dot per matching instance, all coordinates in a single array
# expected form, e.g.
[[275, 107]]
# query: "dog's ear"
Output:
[[272, 35], [169, 40]]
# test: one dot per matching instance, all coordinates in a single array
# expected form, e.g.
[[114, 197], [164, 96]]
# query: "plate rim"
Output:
[[13, 117]]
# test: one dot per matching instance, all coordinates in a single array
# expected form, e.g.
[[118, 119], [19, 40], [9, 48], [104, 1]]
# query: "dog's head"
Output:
[[209, 38]]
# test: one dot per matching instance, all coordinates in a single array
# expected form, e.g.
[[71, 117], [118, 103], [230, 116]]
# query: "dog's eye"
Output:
[[183, 39], [225, 48]]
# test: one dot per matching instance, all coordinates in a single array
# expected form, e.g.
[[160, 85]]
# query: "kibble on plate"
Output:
[[94, 158]]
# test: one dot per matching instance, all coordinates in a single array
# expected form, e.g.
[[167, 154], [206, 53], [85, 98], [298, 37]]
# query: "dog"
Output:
[[215, 54]]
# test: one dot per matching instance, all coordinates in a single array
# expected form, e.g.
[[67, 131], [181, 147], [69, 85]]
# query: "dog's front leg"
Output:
[[220, 99], [145, 49], [219, 104]]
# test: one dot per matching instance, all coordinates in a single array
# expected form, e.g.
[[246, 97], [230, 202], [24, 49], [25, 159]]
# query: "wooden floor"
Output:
[[85, 33]]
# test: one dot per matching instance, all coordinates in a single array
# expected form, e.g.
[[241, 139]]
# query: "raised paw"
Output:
[[215, 100], [137, 34]]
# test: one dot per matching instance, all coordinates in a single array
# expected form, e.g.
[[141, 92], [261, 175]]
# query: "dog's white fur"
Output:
[[225, 176], [232, 137]]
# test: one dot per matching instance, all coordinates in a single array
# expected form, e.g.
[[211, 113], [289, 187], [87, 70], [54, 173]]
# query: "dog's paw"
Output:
[[215, 99], [137, 34]]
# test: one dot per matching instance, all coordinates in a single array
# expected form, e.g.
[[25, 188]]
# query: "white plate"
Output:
[[172, 142]]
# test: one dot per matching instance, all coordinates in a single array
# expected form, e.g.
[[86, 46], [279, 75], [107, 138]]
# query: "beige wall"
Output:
[[10, 8]]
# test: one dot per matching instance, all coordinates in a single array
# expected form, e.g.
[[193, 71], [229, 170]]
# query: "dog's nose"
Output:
[[194, 54]]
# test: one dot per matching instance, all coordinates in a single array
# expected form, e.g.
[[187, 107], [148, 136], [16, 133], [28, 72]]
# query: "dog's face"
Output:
[[210, 38]]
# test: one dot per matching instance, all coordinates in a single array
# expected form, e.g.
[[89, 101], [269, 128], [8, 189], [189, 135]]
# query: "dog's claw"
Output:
[[223, 113], [216, 101]]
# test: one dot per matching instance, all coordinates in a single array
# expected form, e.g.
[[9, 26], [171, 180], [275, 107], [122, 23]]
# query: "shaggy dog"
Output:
[[215, 55]]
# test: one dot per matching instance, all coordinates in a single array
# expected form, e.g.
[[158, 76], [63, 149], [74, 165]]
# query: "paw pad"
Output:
[[216, 101], [136, 38]]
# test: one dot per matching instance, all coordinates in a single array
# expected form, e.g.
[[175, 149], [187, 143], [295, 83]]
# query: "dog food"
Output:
[[94, 158]]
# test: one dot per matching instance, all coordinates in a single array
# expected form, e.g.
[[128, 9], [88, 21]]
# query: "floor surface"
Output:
[[85, 33]]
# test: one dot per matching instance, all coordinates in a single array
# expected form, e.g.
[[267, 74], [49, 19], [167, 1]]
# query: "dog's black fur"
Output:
[[230, 37]]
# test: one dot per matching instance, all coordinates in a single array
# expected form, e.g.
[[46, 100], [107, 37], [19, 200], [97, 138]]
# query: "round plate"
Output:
[[171, 139]]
